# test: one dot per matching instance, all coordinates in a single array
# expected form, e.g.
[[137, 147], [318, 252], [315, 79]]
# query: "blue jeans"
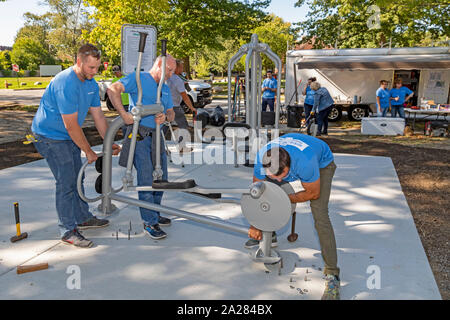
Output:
[[63, 158], [322, 120], [270, 102], [144, 168], [308, 108], [384, 111], [398, 109]]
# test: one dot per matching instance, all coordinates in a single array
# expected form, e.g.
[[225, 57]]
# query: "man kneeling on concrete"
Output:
[[145, 154], [301, 157]]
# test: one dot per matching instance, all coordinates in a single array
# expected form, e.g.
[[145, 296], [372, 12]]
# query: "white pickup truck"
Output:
[[199, 92]]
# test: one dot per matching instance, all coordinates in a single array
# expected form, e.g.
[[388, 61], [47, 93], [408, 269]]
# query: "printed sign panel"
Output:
[[130, 44]]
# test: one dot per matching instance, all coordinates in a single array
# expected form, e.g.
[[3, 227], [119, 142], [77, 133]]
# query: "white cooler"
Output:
[[382, 126]]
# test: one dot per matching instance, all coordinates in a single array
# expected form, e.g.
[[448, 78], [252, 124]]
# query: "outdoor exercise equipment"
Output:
[[253, 94], [264, 204]]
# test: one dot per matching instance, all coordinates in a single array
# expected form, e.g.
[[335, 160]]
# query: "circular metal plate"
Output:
[[271, 211]]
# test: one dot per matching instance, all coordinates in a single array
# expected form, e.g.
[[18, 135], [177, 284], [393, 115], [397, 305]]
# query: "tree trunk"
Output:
[[187, 67]]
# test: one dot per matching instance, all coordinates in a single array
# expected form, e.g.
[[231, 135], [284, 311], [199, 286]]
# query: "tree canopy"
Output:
[[189, 25], [373, 23], [29, 53]]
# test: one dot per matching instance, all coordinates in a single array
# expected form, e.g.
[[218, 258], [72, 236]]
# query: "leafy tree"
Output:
[[5, 60], [29, 53], [189, 25], [373, 23], [68, 19], [37, 27], [277, 34]]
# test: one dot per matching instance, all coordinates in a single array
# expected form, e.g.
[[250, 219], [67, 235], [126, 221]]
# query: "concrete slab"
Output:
[[372, 221]]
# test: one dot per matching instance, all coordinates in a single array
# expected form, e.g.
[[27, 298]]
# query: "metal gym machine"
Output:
[[253, 96], [265, 205]]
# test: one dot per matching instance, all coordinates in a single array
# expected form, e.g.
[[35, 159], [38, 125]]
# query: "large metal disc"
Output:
[[271, 211]]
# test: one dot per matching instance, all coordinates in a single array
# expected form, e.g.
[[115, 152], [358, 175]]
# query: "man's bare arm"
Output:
[[187, 101], [77, 135], [114, 93], [311, 192]]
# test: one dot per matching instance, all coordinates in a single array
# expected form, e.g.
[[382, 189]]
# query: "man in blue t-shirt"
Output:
[[294, 157], [398, 96], [383, 96], [59, 138], [269, 89], [143, 157]]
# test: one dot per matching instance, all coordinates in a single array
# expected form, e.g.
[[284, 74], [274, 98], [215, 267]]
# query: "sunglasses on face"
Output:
[[95, 53]]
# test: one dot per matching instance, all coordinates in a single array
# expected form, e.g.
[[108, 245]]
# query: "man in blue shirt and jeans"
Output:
[[269, 89], [294, 157], [398, 96], [144, 156], [59, 138]]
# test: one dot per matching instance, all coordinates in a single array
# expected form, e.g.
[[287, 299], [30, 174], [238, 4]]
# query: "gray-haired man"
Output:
[[178, 91]]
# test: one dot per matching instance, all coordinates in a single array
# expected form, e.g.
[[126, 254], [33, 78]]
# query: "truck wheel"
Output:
[[357, 113], [335, 114], [185, 107], [109, 104]]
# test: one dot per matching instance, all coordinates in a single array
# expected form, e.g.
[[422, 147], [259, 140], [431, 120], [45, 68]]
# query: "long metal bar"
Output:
[[114, 126], [259, 93], [296, 87], [157, 172], [247, 85], [183, 214], [231, 64], [194, 189], [254, 91]]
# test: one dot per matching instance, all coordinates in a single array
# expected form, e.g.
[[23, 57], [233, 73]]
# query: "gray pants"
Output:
[[322, 221], [182, 123]]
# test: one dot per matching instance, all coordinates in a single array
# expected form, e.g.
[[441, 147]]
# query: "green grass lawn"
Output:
[[28, 80]]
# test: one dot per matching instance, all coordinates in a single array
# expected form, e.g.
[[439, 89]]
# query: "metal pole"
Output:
[[247, 86], [266, 243], [106, 205], [231, 64], [183, 214], [254, 91], [157, 172]]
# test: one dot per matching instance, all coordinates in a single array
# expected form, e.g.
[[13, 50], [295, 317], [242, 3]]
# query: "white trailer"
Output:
[[352, 75], [49, 70]]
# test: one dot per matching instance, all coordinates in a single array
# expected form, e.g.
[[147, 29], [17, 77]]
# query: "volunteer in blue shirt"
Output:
[[322, 105], [57, 128], [299, 157], [269, 89], [144, 157], [398, 96], [383, 96], [309, 97]]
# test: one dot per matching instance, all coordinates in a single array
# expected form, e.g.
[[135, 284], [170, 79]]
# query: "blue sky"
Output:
[[12, 15]]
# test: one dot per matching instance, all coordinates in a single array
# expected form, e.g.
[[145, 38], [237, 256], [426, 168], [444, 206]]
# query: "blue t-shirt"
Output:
[[270, 83], [384, 97], [402, 93], [149, 90], [308, 155], [65, 94], [309, 99]]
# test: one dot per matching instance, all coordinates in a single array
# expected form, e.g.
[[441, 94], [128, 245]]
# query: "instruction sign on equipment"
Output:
[[130, 44]]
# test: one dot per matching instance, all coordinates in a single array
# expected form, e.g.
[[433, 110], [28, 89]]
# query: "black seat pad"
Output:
[[164, 184]]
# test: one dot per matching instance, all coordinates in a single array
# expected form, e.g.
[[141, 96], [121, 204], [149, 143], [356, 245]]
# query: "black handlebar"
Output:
[[142, 38], [163, 47]]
